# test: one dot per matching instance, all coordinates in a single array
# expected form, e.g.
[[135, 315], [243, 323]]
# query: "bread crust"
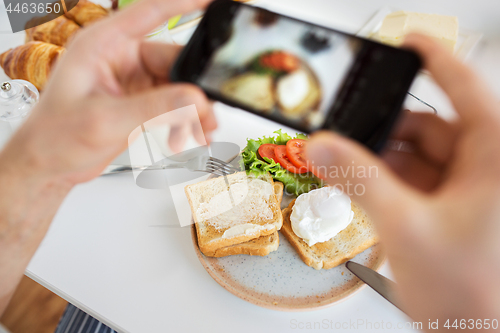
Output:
[[211, 247], [317, 256], [261, 246]]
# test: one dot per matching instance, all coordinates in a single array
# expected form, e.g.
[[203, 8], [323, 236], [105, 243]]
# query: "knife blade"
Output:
[[118, 168], [382, 285]]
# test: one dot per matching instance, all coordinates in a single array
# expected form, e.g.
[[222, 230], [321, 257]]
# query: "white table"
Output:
[[115, 250]]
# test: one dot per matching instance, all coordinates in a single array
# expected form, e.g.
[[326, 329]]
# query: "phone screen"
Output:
[[280, 67], [298, 74]]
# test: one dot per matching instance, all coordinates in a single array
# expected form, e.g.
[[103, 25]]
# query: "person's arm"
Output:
[[27, 207], [436, 209], [109, 82]]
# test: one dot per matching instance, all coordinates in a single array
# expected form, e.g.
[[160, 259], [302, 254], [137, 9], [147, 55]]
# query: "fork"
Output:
[[199, 163]]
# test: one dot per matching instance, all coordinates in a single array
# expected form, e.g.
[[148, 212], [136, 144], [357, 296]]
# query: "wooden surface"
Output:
[[33, 309]]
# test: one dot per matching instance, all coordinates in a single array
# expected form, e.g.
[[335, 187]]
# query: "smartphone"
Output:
[[301, 75]]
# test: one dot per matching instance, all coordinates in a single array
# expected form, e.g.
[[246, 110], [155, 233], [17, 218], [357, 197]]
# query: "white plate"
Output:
[[467, 39], [281, 280]]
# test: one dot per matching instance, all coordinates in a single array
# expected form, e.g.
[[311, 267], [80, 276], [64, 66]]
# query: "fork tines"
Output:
[[219, 167]]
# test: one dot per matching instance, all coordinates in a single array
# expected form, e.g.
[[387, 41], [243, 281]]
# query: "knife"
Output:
[[118, 168], [377, 282]]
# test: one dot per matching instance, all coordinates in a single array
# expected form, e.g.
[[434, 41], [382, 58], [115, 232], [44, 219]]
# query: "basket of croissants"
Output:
[[45, 43]]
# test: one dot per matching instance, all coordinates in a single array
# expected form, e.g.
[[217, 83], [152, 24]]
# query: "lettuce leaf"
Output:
[[294, 183]]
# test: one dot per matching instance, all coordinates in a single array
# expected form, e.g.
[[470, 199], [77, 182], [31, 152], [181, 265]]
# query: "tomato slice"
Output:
[[267, 150], [280, 152], [295, 152]]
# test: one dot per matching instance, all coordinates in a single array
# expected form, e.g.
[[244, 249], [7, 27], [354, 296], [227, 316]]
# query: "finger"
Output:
[[135, 81], [150, 104], [345, 162], [432, 136], [413, 169], [199, 135], [143, 16], [178, 137], [158, 58], [208, 122], [469, 95], [203, 127]]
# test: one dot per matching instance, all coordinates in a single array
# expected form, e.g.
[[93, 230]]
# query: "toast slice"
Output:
[[357, 237], [233, 209], [261, 246]]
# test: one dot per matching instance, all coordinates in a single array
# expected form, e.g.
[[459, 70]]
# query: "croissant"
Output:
[[58, 31], [32, 62], [86, 12]]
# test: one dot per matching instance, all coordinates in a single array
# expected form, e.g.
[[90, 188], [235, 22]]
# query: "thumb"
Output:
[[359, 173]]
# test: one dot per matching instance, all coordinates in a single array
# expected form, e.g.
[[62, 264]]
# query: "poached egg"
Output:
[[293, 88], [321, 214]]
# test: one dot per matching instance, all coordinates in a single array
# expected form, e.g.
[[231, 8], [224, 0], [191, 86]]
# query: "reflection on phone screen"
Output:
[[284, 68]]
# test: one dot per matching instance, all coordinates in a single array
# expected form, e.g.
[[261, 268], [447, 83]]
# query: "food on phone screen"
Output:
[[254, 90], [297, 93], [279, 61], [275, 81], [397, 25], [303, 67]]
